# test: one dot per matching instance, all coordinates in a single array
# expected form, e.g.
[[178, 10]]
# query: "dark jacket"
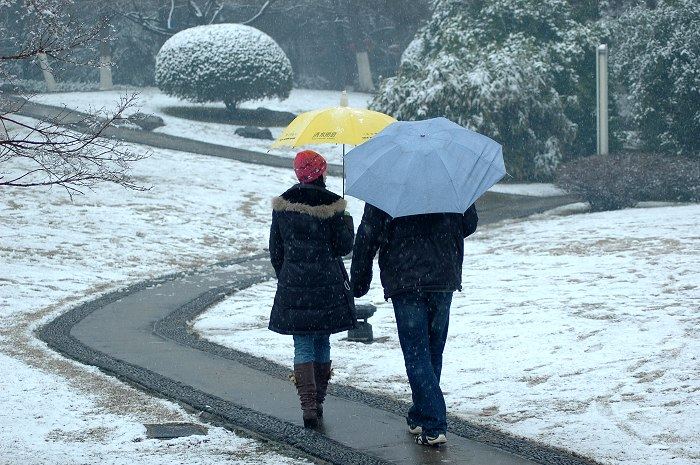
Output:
[[308, 237], [418, 252]]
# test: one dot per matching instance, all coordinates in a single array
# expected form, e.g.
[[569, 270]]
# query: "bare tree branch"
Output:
[[170, 14], [46, 28], [46, 153], [195, 10], [199, 13], [55, 48], [259, 13], [150, 24], [219, 7]]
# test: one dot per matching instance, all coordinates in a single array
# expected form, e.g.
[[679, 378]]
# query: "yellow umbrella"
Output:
[[339, 125], [336, 125]]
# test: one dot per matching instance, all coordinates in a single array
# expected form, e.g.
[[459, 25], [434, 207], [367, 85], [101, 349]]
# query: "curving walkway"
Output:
[[140, 335]]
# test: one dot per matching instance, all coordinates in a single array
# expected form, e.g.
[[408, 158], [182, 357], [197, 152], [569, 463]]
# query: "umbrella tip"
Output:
[[344, 99]]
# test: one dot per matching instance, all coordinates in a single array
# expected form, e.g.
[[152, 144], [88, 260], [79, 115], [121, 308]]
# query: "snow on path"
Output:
[[55, 253], [579, 332]]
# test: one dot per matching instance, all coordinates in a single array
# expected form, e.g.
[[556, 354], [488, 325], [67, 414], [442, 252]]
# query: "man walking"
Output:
[[420, 260]]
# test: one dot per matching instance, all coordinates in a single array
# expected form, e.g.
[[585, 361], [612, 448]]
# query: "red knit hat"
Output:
[[309, 166]]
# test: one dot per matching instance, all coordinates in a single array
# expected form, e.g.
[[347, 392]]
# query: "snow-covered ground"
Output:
[[151, 100], [55, 253], [577, 331], [49, 419], [530, 190]]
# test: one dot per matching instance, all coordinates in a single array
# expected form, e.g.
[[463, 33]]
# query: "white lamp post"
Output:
[[602, 98]]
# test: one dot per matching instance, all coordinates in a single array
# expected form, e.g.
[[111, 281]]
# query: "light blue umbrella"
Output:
[[430, 166]]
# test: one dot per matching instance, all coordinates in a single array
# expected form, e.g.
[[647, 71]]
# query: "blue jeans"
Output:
[[422, 319], [312, 348]]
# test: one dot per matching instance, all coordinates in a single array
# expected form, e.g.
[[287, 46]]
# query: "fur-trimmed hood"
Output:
[[280, 204]]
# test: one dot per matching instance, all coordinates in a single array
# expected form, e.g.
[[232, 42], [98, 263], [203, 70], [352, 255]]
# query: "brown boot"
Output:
[[322, 372], [306, 388]]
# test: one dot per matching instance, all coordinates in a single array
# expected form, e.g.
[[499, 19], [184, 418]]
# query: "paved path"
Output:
[[124, 331], [140, 334]]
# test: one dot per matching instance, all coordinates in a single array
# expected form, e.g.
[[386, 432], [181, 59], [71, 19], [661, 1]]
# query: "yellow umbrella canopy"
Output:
[[337, 125]]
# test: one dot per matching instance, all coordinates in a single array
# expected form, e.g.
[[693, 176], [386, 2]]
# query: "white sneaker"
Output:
[[415, 429], [426, 440]]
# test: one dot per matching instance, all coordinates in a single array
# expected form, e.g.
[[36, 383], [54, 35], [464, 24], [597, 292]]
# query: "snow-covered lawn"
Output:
[[49, 419], [531, 190], [151, 100], [55, 253], [579, 331]]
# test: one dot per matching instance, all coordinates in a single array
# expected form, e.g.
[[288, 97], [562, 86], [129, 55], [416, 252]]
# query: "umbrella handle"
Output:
[[343, 170]]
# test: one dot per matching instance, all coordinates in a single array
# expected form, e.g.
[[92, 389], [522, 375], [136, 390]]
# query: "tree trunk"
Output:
[[231, 105], [105, 66], [343, 65], [364, 72], [46, 71]]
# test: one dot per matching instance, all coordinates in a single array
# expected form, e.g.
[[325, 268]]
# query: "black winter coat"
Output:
[[308, 237], [416, 253]]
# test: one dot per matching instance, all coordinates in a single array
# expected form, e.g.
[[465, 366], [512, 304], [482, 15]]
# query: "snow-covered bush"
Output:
[[223, 62], [657, 56], [510, 69], [623, 179]]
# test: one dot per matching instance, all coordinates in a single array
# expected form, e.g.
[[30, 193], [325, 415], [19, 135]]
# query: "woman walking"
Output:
[[309, 235]]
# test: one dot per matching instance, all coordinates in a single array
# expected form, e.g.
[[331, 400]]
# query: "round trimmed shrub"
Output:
[[223, 62]]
